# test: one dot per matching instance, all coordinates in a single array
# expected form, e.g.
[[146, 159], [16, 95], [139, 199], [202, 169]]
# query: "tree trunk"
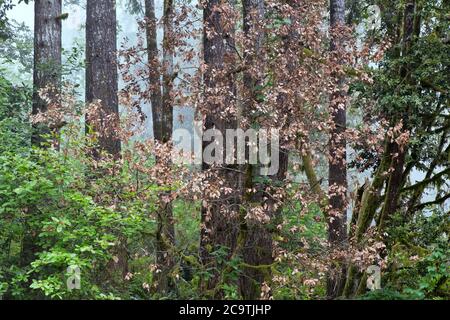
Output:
[[154, 65], [102, 88], [396, 178], [46, 73], [337, 178], [393, 157], [47, 58], [257, 248], [162, 112], [101, 73], [220, 221], [168, 72]]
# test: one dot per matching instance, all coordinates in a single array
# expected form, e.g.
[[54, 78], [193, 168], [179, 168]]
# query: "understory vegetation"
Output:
[[92, 207]]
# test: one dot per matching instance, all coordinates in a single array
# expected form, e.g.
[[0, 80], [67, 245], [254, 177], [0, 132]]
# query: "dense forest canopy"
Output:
[[218, 149]]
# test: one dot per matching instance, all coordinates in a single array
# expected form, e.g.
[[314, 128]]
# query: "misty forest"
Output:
[[224, 149]]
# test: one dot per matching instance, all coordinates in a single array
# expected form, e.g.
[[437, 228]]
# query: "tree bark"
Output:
[[257, 245], [102, 88], [220, 224], [162, 112], [337, 177], [168, 71], [154, 65], [101, 73], [46, 73], [47, 58]]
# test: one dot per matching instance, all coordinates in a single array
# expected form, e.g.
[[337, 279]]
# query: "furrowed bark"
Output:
[[102, 88], [219, 217], [257, 245], [46, 74], [168, 71], [47, 59], [154, 65], [162, 114], [337, 177], [166, 228], [101, 73]]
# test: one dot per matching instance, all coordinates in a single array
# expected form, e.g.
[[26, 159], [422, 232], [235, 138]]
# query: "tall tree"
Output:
[[101, 72], [257, 248], [46, 74], [337, 175], [411, 24], [392, 173], [162, 112], [168, 72], [47, 57], [220, 226], [154, 68], [102, 88]]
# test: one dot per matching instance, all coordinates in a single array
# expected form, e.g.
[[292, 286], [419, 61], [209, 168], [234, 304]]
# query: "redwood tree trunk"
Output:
[[47, 72], [220, 224], [168, 72], [257, 249], [102, 87], [47, 56], [154, 72], [162, 112], [337, 177], [101, 71]]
